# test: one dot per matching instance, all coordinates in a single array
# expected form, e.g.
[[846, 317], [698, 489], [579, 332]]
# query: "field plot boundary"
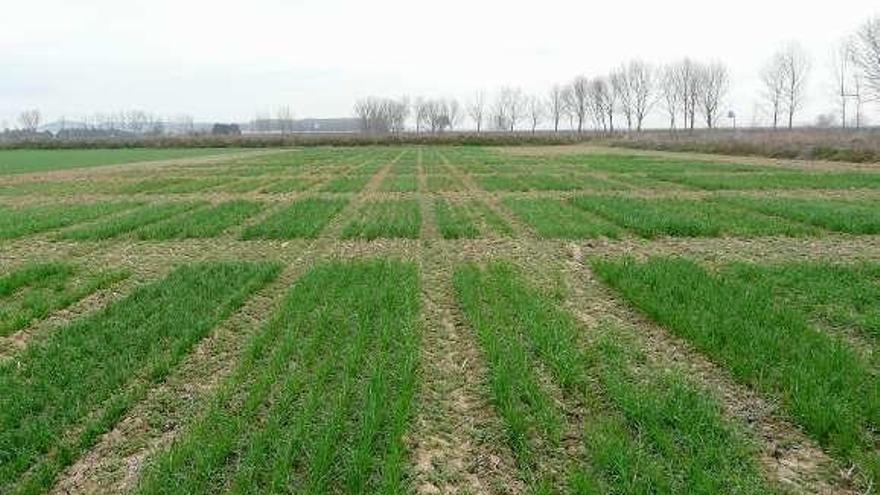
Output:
[[459, 436]]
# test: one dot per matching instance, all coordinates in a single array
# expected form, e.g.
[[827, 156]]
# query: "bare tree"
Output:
[[453, 112], [620, 86], [773, 77], [796, 66], [398, 112], [867, 55], [535, 108], [420, 112], [847, 84], [476, 110], [600, 103], [30, 120], [285, 119], [568, 105], [579, 100], [556, 105], [670, 94], [185, 124], [509, 109], [610, 106], [640, 79], [687, 82], [714, 82], [381, 115]]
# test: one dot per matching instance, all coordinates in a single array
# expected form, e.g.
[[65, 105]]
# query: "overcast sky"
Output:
[[228, 60]]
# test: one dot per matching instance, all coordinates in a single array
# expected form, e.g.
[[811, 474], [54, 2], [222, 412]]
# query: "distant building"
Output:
[[276, 126], [226, 130]]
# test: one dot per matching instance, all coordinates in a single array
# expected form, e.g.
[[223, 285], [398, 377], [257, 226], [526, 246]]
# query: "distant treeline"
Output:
[[308, 139]]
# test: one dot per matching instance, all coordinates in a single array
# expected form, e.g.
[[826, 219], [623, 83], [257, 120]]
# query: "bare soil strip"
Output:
[[448, 442]]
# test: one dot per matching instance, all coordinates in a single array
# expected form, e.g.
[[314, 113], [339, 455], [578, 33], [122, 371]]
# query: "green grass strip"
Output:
[[685, 218], [553, 218], [649, 432], [400, 183], [778, 180], [289, 185], [27, 161], [454, 220], [822, 382], [35, 219], [346, 183], [304, 218], [388, 219], [34, 290], [833, 294], [60, 394], [203, 222], [851, 217], [321, 399], [130, 221]]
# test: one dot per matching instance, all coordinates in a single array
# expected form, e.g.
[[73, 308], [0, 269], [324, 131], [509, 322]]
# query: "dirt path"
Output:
[[449, 450]]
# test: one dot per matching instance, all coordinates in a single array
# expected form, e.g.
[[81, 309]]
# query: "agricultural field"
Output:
[[29, 161], [430, 319]]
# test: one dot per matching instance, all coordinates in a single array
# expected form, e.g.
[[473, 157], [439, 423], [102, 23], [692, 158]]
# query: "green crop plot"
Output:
[[455, 322], [686, 218], [834, 295], [127, 222], [35, 290], [304, 218], [83, 377], [241, 185], [203, 222], [443, 183], [346, 183], [289, 185], [623, 164], [538, 182], [468, 219], [400, 183], [174, 185], [554, 218], [26, 161], [387, 219], [18, 222], [852, 217], [657, 432], [820, 380], [322, 399], [779, 180], [454, 220]]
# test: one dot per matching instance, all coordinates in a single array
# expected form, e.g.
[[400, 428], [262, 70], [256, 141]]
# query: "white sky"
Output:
[[228, 60]]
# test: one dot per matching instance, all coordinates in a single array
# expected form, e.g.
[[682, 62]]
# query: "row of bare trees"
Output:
[[687, 91], [382, 115], [436, 115]]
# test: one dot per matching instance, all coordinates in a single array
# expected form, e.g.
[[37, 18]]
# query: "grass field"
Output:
[[430, 319], [27, 161]]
